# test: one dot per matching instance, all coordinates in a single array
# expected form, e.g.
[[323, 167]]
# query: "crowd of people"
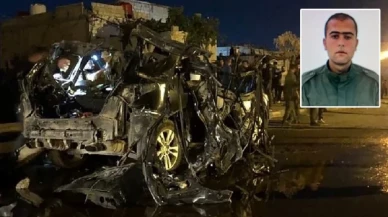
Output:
[[281, 85]]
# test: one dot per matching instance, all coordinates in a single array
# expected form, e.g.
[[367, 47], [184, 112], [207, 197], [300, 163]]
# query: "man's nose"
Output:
[[341, 41]]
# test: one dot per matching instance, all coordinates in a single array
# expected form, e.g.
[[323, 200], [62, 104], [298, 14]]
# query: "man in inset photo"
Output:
[[340, 82]]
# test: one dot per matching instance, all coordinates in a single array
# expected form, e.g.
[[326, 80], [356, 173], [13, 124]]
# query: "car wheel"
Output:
[[168, 148], [64, 160]]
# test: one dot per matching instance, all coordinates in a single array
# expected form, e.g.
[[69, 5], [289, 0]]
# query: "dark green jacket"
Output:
[[358, 87], [291, 86]]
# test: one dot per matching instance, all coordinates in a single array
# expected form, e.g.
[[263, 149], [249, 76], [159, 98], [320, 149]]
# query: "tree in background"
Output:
[[288, 44]]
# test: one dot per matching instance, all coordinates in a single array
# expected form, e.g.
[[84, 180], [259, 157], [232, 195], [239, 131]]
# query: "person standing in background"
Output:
[[282, 81], [282, 78], [384, 88], [291, 98], [267, 80], [276, 82]]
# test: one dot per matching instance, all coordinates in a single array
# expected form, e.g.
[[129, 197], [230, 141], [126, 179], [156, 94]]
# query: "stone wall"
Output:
[[104, 25], [177, 35], [73, 22], [106, 15], [213, 50], [69, 22], [259, 51], [147, 10], [20, 34], [225, 51]]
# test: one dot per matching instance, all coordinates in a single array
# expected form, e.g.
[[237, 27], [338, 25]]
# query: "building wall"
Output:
[[213, 51], [223, 51], [178, 35], [106, 15], [245, 50], [181, 36], [257, 51], [73, 22], [19, 35], [69, 22], [147, 10], [105, 26]]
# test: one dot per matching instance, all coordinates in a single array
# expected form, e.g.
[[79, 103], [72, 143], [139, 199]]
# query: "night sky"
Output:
[[244, 21]]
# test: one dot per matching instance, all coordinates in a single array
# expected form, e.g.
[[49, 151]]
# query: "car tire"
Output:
[[164, 130]]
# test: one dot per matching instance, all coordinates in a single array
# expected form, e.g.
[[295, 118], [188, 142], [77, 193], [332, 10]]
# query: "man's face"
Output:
[[341, 41]]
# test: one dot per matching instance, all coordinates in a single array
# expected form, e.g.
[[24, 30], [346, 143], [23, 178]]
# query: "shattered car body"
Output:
[[162, 106]]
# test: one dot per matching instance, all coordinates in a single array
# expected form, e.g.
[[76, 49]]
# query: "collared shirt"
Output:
[[358, 87], [290, 87]]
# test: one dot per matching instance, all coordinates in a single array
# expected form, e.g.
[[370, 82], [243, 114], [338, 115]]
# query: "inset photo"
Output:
[[340, 58]]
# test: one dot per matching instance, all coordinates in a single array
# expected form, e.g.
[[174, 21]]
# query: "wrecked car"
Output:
[[157, 102]]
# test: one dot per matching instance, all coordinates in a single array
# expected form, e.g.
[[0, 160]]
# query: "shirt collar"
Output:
[[341, 78]]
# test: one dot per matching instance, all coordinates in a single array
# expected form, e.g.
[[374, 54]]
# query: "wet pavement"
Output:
[[336, 172], [321, 172]]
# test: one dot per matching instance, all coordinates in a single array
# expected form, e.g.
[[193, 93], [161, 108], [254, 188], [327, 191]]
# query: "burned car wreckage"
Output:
[[158, 102]]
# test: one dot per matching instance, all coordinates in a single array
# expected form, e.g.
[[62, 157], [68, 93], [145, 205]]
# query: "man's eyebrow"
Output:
[[344, 33]]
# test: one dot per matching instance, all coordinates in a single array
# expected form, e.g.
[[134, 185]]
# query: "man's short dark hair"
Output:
[[341, 17]]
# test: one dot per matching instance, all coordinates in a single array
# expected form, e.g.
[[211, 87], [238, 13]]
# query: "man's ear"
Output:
[[356, 43], [324, 43]]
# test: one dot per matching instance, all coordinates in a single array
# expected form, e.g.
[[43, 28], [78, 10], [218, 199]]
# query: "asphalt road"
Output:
[[336, 172], [328, 171]]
